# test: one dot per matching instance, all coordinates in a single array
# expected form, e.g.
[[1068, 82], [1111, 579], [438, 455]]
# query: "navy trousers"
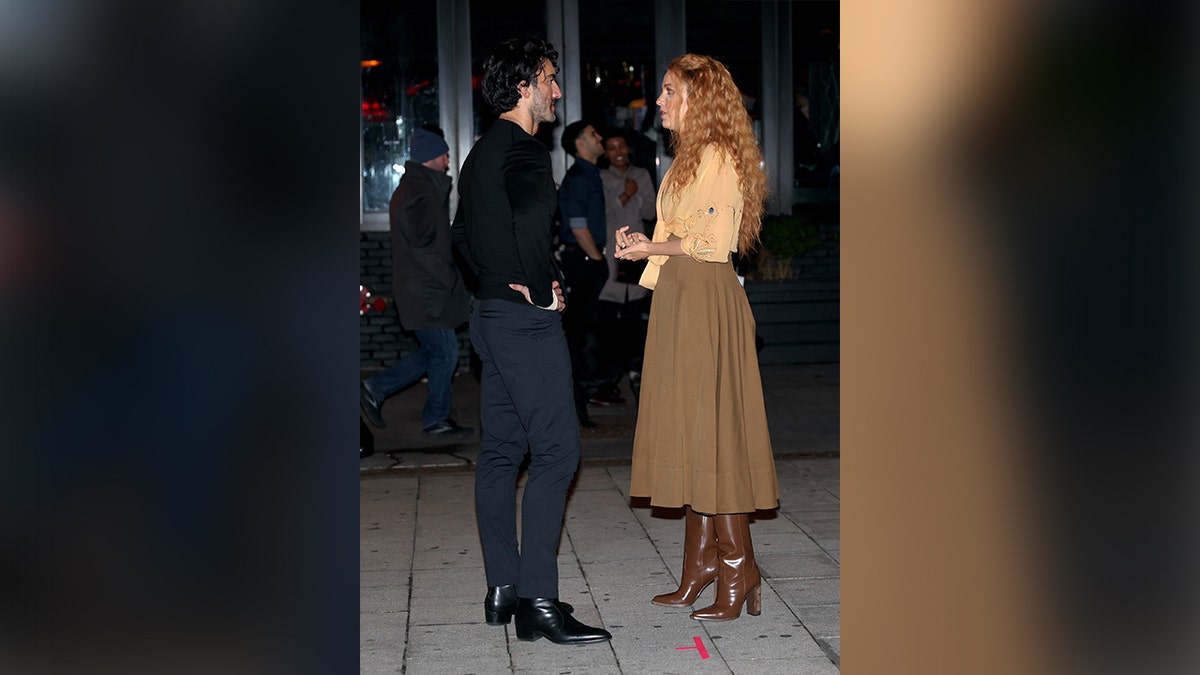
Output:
[[526, 406]]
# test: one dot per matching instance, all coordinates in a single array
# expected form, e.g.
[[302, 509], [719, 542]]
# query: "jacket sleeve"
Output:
[[713, 214], [530, 188], [421, 212], [458, 239], [572, 203]]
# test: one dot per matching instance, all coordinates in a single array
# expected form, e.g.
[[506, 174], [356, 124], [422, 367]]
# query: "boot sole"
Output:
[[752, 603], [534, 637]]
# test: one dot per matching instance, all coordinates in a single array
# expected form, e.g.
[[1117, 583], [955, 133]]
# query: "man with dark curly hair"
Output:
[[503, 231]]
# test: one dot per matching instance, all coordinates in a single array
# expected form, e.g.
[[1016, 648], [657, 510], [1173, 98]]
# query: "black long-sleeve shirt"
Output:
[[504, 225]]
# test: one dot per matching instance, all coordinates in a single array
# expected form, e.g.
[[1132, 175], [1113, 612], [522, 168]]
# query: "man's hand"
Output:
[[560, 300], [559, 295]]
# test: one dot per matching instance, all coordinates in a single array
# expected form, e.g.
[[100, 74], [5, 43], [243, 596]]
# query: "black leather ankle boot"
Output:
[[546, 617], [501, 602], [499, 605]]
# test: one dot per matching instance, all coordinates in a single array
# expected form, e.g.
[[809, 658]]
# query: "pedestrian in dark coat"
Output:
[[427, 289]]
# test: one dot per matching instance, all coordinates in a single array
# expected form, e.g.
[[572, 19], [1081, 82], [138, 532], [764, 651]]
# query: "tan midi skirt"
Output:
[[701, 436]]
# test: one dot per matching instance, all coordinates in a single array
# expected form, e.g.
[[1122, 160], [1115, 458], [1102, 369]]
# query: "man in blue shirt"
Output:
[[583, 231], [581, 197]]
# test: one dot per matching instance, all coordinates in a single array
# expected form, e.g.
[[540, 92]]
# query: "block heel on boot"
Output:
[[754, 601], [499, 604], [497, 618]]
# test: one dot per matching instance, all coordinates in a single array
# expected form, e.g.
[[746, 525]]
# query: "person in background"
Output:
[[624, 305], [504, 230], [701, 440], [427, 289], [582, 233]]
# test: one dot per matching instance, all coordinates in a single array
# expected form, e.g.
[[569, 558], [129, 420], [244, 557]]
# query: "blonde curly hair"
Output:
[[717, 116]]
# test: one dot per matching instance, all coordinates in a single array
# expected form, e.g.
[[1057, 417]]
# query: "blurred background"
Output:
[[422, 61]]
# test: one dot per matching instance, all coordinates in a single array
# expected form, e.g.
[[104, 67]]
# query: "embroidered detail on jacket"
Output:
[[697, 226]]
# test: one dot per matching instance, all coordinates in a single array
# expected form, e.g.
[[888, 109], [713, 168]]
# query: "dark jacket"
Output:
[[427, 286], [505, 220]]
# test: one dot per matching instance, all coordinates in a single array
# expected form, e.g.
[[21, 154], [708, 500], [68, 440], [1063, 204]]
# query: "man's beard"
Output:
[[544, 109]]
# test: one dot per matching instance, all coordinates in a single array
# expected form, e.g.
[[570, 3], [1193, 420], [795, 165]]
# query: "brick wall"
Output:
[[381, 339]]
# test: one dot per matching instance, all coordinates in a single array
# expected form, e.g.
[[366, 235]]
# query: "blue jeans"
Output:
[[436, 357]]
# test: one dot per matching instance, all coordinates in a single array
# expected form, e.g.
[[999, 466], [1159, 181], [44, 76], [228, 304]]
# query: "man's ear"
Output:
[[523, 88]]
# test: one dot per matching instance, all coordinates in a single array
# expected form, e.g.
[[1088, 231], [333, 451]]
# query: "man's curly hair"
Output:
[[513, 62]]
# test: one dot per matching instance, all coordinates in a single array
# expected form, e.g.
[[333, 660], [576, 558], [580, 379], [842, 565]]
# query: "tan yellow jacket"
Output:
[[706, 214]]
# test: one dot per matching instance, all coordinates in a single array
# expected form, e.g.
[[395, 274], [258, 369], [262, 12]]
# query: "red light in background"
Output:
[[375, 111], [416, 88]]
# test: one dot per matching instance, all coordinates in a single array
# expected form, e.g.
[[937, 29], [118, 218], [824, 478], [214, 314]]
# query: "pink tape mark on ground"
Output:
[[699, 647]]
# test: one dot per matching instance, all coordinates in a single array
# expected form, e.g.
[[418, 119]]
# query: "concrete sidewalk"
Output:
[[422, 580]]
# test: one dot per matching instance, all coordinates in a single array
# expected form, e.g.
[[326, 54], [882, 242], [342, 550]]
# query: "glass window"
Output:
[[399, 89], [491, 24], [618, 83], [730, 31], [816, 93]]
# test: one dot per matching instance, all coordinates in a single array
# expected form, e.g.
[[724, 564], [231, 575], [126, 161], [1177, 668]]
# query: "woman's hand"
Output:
[[631, 245]]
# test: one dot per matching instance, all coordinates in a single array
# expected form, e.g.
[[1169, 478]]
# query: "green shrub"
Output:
[[789, 236]]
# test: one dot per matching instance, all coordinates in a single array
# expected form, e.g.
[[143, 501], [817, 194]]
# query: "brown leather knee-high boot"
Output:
[[699, 561], [738, 580]]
